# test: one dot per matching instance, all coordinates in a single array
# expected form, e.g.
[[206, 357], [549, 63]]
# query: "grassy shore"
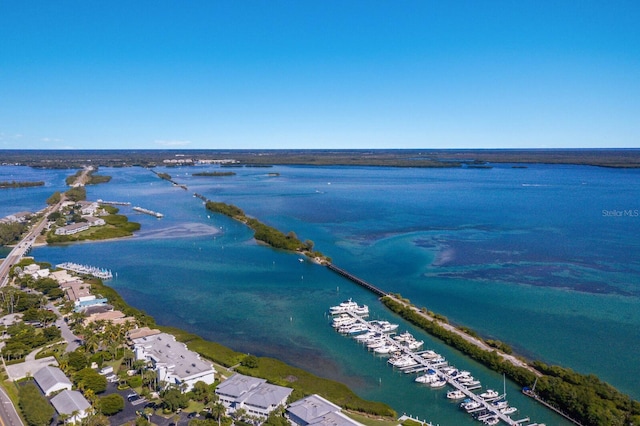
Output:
[[275, 371]]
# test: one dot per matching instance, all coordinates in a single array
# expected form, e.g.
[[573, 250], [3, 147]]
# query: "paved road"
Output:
[[8, 414]]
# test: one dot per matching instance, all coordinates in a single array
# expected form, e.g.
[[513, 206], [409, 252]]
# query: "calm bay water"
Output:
[[535, 257]]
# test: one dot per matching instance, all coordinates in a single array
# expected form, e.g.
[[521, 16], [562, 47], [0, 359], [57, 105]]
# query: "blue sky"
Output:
[[319, 74]]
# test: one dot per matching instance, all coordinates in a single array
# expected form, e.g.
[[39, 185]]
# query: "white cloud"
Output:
[[51, 140], [171, 142]]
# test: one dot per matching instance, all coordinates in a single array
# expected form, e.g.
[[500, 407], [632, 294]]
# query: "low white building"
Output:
[[19, 217], [74, 228], [89, 208], [317, 411], [94, 221], [72, 404], [174, 363], [252, 394], [51, 380]]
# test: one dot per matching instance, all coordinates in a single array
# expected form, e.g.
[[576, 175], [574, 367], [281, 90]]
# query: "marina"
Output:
[[379, 336], [101, 273], [149, 212]]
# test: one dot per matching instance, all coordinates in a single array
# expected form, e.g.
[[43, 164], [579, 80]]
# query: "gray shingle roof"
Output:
[[50, 377], [238, 384], [311, 408], [67, 401], [267, 395]]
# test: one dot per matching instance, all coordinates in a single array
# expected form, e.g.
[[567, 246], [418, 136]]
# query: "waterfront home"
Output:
[[62, 276], [114, 317], [173, 362], [74, 290], [35, 271], [72, 404], [94, 221], [51, 379], [74, 228], [19, 217], [88, 301], [254, 395], [88, 208], [138, 333], [317, 411]]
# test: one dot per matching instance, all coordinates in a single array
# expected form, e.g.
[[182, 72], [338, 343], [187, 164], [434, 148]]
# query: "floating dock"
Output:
[[101, 273], [147, 211]]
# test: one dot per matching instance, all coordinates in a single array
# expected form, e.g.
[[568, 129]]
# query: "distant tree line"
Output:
[[266, 233], [214, 174], [14, 184], [584, 398]]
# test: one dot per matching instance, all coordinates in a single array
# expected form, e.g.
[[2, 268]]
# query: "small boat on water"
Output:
[[492, 420], [500, 404], [470, 405], [508, 410], [349, 306], [489, 394], [384, 326], [438, 384], [455, 394], [385, 349], [429, 377]]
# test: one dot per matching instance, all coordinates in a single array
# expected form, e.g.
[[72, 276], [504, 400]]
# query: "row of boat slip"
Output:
[[349, 306], [434, 370]]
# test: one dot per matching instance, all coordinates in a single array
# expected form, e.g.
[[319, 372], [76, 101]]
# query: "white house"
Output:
[[174, 363], [317, 411], [69, 402], [74, 228], [252, 394], [94, 221], [19, 217], [89, 208], [51, 379]]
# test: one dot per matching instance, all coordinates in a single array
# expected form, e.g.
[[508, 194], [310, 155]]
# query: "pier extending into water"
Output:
[[357, 280], [149, 212]]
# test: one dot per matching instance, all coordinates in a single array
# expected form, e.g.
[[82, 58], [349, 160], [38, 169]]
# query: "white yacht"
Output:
[[489, 394], [346, 306], [438, 384], [508, 410], [455, 394], [430, 376], [471, 405], [365, 336], [385, 349]]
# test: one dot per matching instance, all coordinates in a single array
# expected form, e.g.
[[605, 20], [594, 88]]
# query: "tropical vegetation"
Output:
[[584, 398]]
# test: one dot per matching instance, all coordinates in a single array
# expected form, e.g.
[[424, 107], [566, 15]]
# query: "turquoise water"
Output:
[[526, 256]]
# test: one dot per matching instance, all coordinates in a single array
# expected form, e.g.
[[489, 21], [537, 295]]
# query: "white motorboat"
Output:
[[402, 361], [414, 344], [385, 349], [455, 394], [404, 337], [429, 354], [376, 343], [493, 420], [438, 384], [500, 404], [430, 376], [470, 405], [508, 410], [365, 336], [489, 394], [346, 306]]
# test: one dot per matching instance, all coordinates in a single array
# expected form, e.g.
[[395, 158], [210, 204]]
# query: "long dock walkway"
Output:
[[357, 280], [422, 364]]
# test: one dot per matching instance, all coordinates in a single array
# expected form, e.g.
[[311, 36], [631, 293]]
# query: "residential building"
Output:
[[254, 395], [51, 380], [72, 404], [89, 208], [94, 221], [173, 362], [19, 217], [74, 228], [317, 411]]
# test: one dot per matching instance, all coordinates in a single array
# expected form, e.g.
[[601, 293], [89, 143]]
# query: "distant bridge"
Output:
[[357, 280]]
